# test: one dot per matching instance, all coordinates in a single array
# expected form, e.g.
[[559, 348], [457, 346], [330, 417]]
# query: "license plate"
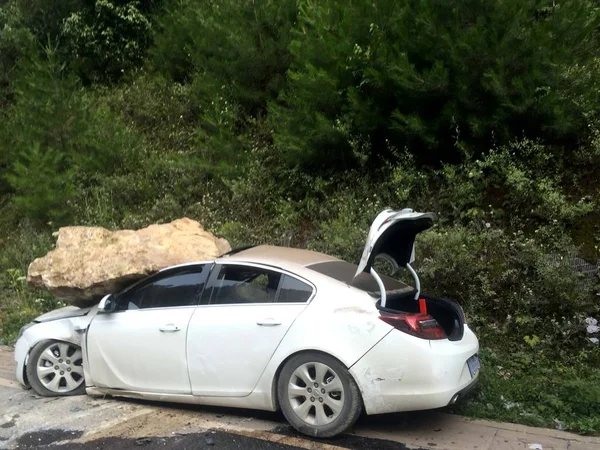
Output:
[[474, 365]]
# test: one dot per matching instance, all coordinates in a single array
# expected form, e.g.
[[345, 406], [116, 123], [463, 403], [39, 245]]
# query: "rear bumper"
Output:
[[404, 373]]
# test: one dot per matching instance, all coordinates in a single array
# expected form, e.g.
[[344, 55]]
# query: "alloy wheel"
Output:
[[59, 368], [316, 393]]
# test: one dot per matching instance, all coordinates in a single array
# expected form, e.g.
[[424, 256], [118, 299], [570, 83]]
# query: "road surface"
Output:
[[82, 422]]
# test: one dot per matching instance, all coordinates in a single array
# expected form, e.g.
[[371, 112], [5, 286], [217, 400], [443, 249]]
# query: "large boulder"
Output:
[[89, 262]]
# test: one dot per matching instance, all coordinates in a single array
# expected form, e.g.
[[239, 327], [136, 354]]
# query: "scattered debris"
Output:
[[143, 441], [511, 405], [558, 425]]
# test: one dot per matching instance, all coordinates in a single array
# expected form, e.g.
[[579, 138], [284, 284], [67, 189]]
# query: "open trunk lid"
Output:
[[392, 237]]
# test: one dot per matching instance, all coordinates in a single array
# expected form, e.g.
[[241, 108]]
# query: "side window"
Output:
[[294, 291], [180, 288], [244, 284]]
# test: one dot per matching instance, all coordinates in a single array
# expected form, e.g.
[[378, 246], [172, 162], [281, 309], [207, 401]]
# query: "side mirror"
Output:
[[107, 304]]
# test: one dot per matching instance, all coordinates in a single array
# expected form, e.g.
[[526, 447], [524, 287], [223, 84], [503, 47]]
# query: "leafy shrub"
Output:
[[20, 303], [525, 387], [108, 39]]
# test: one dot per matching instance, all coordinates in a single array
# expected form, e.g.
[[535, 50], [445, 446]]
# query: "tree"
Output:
[[108, 39], [56, 136], [439, 78]]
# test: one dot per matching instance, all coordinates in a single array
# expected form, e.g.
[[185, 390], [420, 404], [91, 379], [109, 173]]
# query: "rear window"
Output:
[[294, 291], [344, 271]]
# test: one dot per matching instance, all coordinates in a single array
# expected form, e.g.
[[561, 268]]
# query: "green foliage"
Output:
[[440, 78], [165, 112], [232, 71], [108, 39], [39, 190], [15, 39], [526, 387], [206, 40], [19, 303], [45, 18], [58, 136]]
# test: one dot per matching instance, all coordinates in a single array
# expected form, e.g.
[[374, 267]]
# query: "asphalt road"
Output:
[[211, 439]]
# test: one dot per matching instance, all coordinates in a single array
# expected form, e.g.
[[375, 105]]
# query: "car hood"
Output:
[[392, 235], [63, 313]]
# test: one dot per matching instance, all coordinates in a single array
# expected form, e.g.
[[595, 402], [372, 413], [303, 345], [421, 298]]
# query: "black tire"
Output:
[[39, 357], [352, 400]]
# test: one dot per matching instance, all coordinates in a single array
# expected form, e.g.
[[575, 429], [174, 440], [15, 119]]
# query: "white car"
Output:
[[267, 328]]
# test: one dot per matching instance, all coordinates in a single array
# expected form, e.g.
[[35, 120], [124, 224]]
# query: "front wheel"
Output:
[[55, 368], [317, 395]]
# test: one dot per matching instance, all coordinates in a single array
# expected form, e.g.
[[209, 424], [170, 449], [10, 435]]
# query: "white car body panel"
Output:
[[60, 330], [128, 350], [405, 373], [227, 349]]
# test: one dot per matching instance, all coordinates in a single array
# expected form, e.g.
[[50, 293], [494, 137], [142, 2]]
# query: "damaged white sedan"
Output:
[[267, 328]]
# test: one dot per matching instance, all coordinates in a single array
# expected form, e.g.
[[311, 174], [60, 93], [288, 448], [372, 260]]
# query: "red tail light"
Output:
[[420, 325]]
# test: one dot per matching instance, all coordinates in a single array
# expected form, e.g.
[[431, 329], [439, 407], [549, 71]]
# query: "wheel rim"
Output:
[[60, 367], [316, 393]]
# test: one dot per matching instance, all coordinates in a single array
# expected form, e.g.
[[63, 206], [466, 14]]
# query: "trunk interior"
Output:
[[448, 313], [400, 297]]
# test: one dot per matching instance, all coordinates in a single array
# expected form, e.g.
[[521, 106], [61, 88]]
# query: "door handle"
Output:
[[169, 328], [268, 323]]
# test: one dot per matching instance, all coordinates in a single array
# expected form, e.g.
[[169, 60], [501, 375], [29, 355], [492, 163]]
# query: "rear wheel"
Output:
[[317, 395], [55, 368]]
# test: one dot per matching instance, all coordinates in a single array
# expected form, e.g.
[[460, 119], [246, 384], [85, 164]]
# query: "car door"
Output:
[[140, 345], [231, 338]]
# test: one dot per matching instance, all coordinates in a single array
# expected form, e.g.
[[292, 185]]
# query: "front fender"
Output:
[[59, 330]]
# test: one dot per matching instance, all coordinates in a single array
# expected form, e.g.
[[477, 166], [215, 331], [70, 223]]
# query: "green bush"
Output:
[[19, 303], [107, 39], [526, 387], [15, 40]]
